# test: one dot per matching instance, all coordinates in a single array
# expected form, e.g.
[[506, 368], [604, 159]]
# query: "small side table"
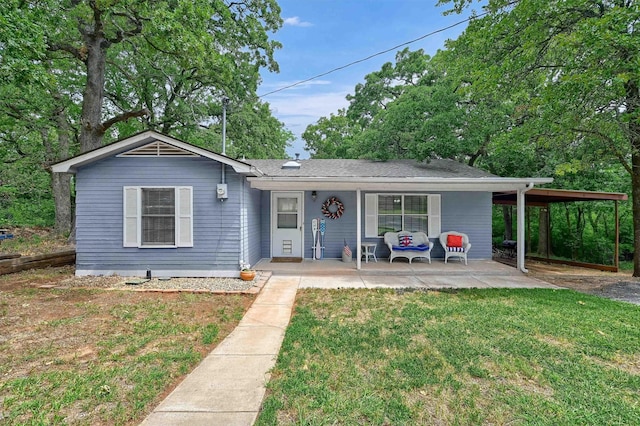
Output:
[[369, 250]]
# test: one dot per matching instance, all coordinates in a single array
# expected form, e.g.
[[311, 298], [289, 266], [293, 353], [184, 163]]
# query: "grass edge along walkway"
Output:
[[495, 356]]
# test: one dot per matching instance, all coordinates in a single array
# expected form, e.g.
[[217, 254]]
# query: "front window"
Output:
[[398, 212], [158, 216]]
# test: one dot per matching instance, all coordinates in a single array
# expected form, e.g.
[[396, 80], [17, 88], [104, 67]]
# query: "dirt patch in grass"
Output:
[[99, 356], [612, 285]]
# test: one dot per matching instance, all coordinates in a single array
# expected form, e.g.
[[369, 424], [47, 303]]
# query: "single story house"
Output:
[[153, 203]]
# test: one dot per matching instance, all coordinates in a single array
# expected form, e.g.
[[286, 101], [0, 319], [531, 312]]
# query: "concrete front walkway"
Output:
[[227, 388]]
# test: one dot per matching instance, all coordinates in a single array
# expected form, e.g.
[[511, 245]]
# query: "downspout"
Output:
[[521, 202], [243, 261]]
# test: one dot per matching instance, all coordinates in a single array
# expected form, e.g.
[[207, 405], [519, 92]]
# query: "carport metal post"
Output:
[[358, 229], [520, 204]]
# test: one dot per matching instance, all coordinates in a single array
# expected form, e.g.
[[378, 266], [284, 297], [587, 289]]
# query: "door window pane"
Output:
[[287, 221], [287, 215], [287, 205]]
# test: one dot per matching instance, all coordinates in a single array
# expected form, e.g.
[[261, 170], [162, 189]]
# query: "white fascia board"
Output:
[[395, 184], [71, 165]]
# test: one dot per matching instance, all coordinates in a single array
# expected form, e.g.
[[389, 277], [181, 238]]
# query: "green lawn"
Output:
[[500, 357]]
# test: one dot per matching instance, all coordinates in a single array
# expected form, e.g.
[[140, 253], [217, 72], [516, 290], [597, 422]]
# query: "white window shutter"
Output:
[[184, 216], [131, 200], [434, 216], [370, 215]]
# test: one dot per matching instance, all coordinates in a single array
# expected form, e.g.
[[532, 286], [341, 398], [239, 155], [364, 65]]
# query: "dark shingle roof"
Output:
[[369, 168]]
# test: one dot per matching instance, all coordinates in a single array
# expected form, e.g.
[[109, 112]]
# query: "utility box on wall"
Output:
[[221, 191]]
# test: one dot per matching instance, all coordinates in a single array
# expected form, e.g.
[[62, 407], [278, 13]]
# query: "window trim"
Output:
[[434, 203], [132, 216]]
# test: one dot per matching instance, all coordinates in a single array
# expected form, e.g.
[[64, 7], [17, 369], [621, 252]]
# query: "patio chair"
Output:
[[455, 244]]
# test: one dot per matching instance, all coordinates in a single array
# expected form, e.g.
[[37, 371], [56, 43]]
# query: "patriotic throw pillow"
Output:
[[406, 240]]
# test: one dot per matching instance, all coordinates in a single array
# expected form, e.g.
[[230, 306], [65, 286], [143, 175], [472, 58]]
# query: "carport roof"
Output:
[[544, 196]]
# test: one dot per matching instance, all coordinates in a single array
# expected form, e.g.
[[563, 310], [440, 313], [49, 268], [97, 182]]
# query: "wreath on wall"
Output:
[[332, 208]]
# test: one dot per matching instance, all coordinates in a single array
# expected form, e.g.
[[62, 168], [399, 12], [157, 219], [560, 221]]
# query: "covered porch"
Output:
[[419, 275]]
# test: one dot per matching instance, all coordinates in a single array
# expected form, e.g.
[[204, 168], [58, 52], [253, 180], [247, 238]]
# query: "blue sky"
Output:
[[320, 35]]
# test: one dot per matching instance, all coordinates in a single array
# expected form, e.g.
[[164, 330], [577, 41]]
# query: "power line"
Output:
[[373, 56]]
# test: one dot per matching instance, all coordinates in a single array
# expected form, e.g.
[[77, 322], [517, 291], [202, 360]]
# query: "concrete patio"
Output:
[[333, 273]]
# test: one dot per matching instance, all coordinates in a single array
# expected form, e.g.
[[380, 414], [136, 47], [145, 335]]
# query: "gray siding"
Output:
[[470, 213], [255, 223], [337, 230], [99, 211], [467, 212], [265, 222]]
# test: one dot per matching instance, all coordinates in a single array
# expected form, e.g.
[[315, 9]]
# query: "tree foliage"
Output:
[[531, 88], [77, 74], [578, 63]]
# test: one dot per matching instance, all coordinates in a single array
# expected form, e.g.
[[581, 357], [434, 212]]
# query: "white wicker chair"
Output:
[[460, 252]]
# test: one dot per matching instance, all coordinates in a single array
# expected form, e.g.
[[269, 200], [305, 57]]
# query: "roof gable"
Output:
[[143, 144]]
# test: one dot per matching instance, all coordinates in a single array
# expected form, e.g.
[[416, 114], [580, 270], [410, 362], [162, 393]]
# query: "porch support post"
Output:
[[521, 202], [358, 230], [616, 252]]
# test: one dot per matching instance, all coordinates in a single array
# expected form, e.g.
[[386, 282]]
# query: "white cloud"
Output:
[[295, 21]]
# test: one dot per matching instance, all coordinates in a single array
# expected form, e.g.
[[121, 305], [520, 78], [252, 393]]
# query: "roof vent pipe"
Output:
[[225, 102]]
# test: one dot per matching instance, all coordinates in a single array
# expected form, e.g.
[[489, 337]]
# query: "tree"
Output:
[[579, 61], [419, 108], [331, 137], [166, 64]]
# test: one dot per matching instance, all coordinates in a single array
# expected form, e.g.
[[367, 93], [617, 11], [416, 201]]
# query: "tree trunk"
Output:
[[635, 203], [507, 215], [61, 182], [543, 232], [91, 128], [61, 185], [633, 108]]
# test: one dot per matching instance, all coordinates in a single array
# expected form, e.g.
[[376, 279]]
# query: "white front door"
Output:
[[286, 224]]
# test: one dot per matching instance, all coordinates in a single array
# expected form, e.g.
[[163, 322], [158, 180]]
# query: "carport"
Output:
[[540, 197]]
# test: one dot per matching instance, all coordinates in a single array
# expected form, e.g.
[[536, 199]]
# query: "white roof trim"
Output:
[[71, 165], [490, 184]]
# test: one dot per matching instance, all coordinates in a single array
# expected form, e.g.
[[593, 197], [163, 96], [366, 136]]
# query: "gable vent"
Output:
[[158, 149]]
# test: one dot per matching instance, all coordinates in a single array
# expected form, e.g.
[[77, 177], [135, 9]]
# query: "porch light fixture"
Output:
[[314, 195]]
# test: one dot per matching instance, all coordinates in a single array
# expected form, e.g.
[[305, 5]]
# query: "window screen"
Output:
[[158, 216]]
